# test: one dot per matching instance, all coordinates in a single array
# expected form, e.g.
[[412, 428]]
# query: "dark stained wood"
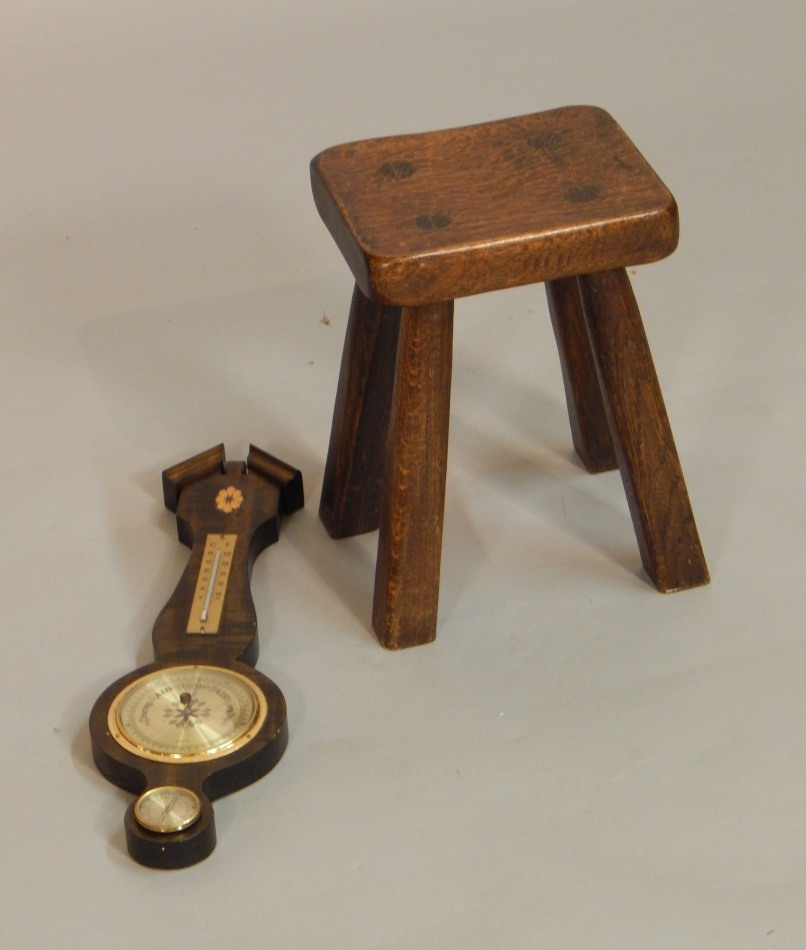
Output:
[[351, 490], [435, 216], [653, 479], [210, 498], [189, 471], [410, 541], [179, 850], [287, 479], [590, 429], [424, 219], [209, 780], [267, 488]]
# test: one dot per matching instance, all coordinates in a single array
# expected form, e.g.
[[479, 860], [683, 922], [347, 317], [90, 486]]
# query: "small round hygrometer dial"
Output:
[[190, 713], [167, 809]]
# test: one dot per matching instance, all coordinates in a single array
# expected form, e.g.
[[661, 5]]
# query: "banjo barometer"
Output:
[[200, 721]]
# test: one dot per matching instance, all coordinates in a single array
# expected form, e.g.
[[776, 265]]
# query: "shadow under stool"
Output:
[[560, 197]]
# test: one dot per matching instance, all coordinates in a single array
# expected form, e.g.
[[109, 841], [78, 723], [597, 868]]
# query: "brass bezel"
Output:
[[182, 825], [119, 733]]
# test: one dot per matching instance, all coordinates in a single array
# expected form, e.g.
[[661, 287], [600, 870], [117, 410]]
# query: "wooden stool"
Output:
[[562, 197]]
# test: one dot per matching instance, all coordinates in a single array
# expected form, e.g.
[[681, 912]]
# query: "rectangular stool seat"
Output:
[[441, 215]]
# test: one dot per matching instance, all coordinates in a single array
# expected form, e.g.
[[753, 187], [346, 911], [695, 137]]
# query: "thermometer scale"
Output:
[[211, 585]]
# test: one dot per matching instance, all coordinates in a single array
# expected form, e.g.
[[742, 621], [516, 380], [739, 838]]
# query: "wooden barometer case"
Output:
[[200, 721]]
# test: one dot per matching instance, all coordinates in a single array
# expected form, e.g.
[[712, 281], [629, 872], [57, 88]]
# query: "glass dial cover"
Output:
[[167, 809], [189, 713]]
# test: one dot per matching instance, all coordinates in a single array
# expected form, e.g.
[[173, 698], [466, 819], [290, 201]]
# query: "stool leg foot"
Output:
[[590, 430], [351, 488], [650, 468], [410, 541]]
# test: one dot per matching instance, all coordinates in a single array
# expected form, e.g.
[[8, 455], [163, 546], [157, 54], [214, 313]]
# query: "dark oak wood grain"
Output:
[[650, 468], [351, 489], [590, 430], [410, 541], [427, 218], [439, 215]]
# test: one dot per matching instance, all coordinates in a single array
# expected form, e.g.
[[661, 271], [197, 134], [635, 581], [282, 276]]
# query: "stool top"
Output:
[[439, 215]]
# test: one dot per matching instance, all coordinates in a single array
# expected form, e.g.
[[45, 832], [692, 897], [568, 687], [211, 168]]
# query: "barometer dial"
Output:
[[190, 713]]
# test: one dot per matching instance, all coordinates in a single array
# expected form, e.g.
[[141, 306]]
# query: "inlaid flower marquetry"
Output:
[[229, 499]]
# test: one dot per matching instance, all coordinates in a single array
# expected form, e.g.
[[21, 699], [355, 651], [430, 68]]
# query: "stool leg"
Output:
[[650, 468], [590, 430], [410, 541], [351, 489]]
